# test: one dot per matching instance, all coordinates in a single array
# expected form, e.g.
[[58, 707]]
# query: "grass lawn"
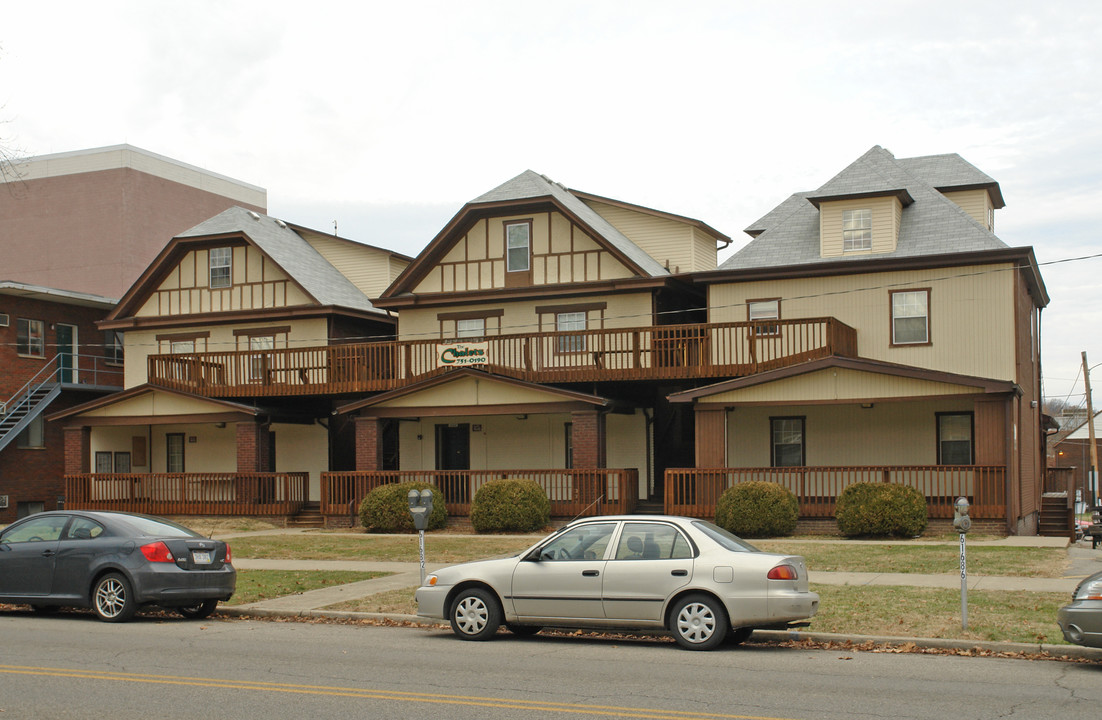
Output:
[[256, 585], [376, 548]]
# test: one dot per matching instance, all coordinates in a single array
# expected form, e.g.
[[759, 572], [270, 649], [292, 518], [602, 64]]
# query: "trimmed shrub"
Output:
[[879, 509], [510, 505], [386, 508], [757, 509]]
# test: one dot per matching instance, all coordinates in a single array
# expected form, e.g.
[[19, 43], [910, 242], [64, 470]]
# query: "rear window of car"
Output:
[[723, 538], [155, 527]]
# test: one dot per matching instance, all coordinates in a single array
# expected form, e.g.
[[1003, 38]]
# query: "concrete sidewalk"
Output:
[[1083, 562]]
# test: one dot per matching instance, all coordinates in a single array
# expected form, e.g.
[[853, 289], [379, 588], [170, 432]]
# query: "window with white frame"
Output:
[[30, 337], [221, 267], [856, 230], [954, 439], [470, 327], [764, 310], [258, 364], [565, 322], [910, 317], [518, 240]]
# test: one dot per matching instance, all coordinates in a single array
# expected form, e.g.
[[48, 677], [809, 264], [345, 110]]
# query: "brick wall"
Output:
[[588, 439], [369, 443]]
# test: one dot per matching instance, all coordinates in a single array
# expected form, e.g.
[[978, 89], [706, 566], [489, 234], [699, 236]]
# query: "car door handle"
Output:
[[590, 573], [679, 573], [48, 553]]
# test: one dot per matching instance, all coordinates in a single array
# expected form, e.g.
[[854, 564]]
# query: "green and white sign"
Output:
[[458, 354]]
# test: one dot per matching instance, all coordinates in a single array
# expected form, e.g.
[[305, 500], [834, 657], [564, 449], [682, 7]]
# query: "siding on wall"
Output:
[[976, 203], [561, 252], [838, 384], [886, 213], [368, 268], [668, 241], [971, 313]]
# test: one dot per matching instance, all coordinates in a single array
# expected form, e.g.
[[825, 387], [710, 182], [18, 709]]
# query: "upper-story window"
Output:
[[221, 267], [470, 327], [566, 321], [764, 310], [518, 241], [910, 317], [113, 346], [30, 337], [856, 230]]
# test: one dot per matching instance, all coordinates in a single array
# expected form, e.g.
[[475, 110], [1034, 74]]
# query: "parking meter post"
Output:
[[420, 507], [963, 524]]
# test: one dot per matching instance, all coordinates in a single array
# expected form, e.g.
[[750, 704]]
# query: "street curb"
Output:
[[1075, 652]]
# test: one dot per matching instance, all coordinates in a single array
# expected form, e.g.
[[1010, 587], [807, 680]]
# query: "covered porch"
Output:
[[818, 428]]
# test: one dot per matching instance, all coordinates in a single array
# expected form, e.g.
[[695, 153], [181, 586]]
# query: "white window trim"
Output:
[[857, 230], [527, 247]]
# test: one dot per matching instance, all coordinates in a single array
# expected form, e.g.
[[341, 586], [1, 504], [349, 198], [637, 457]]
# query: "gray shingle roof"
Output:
[[532, 185], [931, 225], [291, 252]]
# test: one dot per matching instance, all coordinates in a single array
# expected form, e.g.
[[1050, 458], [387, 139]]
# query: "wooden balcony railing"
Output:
[[571, 492], [639, 353], [188, 493], [694, 492]]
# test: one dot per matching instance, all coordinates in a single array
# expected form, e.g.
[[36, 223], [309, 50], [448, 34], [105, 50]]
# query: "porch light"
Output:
[[867, 406]]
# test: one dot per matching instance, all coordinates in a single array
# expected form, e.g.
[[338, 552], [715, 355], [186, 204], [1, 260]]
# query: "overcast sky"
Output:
[[387, 117]]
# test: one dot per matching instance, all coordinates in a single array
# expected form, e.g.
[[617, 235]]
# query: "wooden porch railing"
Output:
[[638, 353], [571, 492], [188, 493], [694, 492]]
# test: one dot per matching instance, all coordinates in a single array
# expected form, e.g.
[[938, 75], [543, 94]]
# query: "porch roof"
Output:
[[860, 380], [470, 391], [154, 405]]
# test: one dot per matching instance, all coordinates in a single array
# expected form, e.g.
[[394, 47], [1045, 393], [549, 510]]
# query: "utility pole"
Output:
[[1093, 477]]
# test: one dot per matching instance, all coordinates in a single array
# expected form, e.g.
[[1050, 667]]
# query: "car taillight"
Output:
[[229, 555], [157, 552], [783, 572]]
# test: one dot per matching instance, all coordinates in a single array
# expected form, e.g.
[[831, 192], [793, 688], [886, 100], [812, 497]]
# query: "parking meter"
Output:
[[961, 521], [420, 507]]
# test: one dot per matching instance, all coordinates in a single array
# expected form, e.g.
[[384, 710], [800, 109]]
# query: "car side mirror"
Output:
[[534, 556]]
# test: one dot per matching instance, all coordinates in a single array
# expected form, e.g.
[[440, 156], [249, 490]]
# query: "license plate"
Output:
[[201, 558]]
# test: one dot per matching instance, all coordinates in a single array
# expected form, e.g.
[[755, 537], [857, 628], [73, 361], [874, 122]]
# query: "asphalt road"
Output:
[[71, 665]]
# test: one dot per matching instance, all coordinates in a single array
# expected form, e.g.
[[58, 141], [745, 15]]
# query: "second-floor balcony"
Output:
[[706, 350]]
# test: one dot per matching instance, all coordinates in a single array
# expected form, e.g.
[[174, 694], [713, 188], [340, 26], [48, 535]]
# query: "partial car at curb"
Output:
[[680, 575], [1081, 621], [114, 563]]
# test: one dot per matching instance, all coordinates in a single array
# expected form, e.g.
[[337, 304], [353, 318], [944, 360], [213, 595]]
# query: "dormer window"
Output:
[[856, 230], [518, 240], [221, 267]]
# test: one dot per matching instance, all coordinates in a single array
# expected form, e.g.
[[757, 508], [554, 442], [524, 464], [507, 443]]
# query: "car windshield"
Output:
[[156, 527], [723, 538]]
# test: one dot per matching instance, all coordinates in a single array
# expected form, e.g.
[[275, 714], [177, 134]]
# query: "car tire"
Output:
[[113, 598], [737, 636], [523, 630], [198, 611], [698, 622], [475, 614]]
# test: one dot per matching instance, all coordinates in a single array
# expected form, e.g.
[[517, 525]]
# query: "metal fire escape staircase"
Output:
[[29, 401]]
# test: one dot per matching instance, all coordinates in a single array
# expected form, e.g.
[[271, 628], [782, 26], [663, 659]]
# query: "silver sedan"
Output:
[[644, 573]]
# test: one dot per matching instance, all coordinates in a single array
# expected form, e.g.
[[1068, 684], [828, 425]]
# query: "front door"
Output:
[[453, 447], [565, 582], [66, 353]]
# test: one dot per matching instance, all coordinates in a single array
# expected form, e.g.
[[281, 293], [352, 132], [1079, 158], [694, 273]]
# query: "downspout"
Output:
[[647, 429]]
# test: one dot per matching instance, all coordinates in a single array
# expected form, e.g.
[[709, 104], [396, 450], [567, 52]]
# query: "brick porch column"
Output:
[[78, 450], [588, 439], [369, 443], [711, 436], [252, 447]]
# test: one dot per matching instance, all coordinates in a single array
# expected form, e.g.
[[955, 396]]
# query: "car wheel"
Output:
[[698, 623], [475, 614], [523, 630], [199, 611], [112, 599], [738, 636]]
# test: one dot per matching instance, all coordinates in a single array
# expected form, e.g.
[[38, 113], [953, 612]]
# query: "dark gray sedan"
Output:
[[113, 563], [1081, 621]]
